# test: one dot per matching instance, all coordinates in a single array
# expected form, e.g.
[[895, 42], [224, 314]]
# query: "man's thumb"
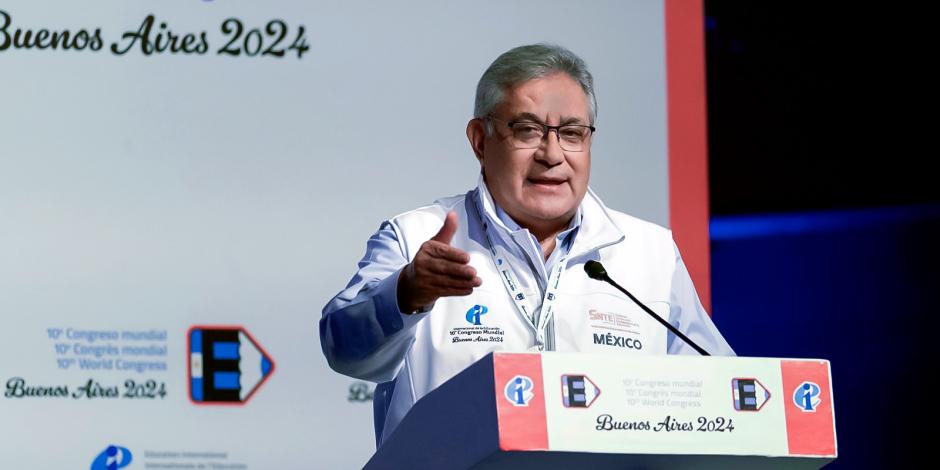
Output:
[[446, 233]]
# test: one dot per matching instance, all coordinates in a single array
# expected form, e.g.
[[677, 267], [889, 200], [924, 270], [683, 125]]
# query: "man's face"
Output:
[[540, 187]]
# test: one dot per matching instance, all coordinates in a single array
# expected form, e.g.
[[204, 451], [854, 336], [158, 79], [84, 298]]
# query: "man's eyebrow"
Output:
[[572, 120], [525, 117], [531, 117]]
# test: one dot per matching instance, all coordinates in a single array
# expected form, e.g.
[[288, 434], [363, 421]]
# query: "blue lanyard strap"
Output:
[[540, 317]]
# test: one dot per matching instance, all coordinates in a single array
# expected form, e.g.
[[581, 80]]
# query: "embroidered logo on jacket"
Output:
[[624, 342], [612, 321], [478, 332], [474, 314]]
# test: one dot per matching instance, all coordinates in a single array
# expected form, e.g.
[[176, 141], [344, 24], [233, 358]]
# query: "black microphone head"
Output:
[[595, 270]]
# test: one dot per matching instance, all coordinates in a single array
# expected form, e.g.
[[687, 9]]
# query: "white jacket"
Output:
[[364, 335]]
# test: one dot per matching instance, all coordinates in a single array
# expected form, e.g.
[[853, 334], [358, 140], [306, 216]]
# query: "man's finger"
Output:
[[447, 231], [454, 291], [451, 269], [447, 252], [447, 282]]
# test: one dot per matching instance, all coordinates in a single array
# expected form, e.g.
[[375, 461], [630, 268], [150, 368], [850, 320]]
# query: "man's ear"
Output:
[[476, 134]]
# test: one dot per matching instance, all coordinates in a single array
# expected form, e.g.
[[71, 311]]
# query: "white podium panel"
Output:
[[610, 411]]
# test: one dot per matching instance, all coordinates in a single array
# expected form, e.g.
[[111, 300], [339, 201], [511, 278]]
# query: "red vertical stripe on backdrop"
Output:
[[808, 432], [520, 427], [688, 139]]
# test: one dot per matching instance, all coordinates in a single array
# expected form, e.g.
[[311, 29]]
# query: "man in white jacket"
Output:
[[501, 268]]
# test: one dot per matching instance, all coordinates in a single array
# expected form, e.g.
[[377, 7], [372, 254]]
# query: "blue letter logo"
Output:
[[474, 314], [578, 391], [112, 458], [806, 397], [226, 365], [519, 390], [749, 394]]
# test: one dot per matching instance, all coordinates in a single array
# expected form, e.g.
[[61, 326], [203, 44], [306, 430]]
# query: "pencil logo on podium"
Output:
[[749, 394], [578, 391]]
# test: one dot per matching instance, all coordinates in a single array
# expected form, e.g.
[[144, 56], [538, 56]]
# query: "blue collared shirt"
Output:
[[531, 247]]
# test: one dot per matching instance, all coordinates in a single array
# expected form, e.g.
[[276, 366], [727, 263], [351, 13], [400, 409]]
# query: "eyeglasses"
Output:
[[529, 134]]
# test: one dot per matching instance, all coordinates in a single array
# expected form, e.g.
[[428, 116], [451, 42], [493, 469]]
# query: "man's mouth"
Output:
[[542, 181]]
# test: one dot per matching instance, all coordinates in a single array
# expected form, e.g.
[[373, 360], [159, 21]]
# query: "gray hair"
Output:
[[525, 63]]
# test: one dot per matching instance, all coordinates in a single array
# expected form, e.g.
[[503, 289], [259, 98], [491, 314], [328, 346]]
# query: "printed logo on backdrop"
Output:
[[157, 35], [112, 458], [226, 365], [479, 330], [519, 390], [104, 364], [578, 391], [806, 397], [749, 394]]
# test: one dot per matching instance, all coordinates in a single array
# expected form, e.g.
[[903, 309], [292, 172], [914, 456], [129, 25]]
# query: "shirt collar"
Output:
[[596, 229], [513, 226]]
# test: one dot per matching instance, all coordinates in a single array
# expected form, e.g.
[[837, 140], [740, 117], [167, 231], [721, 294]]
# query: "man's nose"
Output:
[[550, 152]]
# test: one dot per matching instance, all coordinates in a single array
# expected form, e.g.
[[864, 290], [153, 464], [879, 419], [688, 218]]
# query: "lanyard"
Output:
[[510, 282]]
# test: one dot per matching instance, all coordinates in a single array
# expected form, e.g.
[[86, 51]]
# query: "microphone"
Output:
[[595, 270]]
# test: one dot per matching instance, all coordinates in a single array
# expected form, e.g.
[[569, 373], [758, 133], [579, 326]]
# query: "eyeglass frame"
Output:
[[545, 130]]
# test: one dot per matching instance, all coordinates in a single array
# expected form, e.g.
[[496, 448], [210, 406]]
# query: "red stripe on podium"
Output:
[[520, 402], [808, 404]]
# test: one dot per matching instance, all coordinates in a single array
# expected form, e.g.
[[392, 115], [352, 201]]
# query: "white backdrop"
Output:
[[157, 192]]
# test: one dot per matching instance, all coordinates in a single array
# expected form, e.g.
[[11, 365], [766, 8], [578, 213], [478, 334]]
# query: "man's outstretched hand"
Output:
[[437, 270]]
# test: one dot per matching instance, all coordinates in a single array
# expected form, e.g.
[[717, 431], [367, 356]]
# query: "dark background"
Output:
[[825, 207]]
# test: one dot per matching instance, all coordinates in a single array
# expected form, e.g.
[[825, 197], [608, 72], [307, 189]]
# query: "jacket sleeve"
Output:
[[688, 316], [362, 332]]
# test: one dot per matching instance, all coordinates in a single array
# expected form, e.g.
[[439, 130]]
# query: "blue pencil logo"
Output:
[[226, 365]]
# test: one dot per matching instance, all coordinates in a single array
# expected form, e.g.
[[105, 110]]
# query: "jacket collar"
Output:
[[598, 229]]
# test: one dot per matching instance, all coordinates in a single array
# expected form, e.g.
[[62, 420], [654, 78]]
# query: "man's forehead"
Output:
[[555, 97]]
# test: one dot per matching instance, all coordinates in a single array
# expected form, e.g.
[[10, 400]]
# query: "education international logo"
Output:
[[806, 397], [476, 331], [749, 394], [474, 314], [519, 390], [112, 458], [226, 365]]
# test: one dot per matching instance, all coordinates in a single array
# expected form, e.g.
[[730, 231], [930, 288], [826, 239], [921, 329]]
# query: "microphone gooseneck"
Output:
[[595, 270]]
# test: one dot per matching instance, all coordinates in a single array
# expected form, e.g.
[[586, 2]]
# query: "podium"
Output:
[[561, 410]]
